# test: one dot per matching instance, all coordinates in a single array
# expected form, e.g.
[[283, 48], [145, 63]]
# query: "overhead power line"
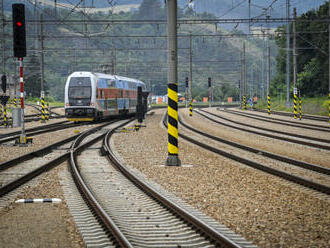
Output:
[[180, 21]]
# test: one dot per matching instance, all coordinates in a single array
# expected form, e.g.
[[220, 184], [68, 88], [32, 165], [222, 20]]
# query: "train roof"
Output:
[[88, 73], [128, 79]]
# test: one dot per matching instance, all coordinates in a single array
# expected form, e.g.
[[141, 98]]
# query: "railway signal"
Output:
[[19, 30], [4, 83], [19, 43]]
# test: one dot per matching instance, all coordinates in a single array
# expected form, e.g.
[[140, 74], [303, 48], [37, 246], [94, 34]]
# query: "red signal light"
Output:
[[19, 24]]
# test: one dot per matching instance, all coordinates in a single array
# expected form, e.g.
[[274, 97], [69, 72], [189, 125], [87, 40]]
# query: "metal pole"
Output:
[[294, 66], [249, 16], [263, 67], [172, 58], [244, 78], [35, 26], [190, 67], [3, 39], [240, 83], [210, 93], [288, 53], [113, 64], [268, 67], [55, 8], [42, 93], [22, 139], [15, 84]]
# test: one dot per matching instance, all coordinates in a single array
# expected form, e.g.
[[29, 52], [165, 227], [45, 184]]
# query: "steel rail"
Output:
[[88, 195], [283, 122], [200, 225], [309, 184], [39, 130], [301, 142], [295, 162], [46, 167], [271, 130], [310, 117]]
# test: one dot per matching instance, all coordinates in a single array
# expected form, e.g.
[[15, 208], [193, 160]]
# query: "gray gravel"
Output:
[[264, 209]]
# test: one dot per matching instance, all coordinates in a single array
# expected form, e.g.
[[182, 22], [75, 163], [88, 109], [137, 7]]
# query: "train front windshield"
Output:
[[80, 91]]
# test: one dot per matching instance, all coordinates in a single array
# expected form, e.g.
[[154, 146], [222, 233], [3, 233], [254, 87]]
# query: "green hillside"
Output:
[[141, 58]]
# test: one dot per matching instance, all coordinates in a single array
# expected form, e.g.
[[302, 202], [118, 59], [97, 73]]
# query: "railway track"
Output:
[[4, 138], [16, 172], [310, 117], [282, 122], [281, 135], [308, 175], [135, 213]]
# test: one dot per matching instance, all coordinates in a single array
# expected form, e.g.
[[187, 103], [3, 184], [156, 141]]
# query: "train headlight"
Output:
[[67, 104], [92, 104]]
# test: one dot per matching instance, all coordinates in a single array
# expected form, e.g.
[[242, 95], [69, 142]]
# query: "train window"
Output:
[[111, 83], [119, 84], [80, 81], [102, 83], [125, 85], [80, 92]]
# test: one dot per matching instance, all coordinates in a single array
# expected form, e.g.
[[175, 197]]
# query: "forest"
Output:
[[312, 43], [216, 53]]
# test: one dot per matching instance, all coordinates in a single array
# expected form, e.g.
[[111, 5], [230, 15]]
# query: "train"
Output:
[[91, 96]]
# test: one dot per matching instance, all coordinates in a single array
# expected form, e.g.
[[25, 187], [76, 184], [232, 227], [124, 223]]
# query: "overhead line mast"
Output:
[[288, 53]]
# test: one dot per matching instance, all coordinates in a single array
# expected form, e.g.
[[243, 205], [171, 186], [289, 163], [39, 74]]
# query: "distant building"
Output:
[[260, 31]]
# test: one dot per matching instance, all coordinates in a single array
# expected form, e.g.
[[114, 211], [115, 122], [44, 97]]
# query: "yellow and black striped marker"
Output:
[[43, 118], [172, 126], [329, 108], [268, 104], [15, 102], [48, 112], [295, 106], [300, 108], [244, 102], [190, 108], [5, 121]]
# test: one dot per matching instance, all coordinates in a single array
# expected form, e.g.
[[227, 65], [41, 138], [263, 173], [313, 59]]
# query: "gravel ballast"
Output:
[[262, 208]]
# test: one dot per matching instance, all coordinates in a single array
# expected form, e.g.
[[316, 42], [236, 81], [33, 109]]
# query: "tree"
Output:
[[312, 64]]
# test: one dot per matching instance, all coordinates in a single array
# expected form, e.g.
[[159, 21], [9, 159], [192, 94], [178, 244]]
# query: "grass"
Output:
[[312, 106]]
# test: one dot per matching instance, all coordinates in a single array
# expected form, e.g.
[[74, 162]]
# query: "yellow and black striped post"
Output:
[[244, 102], [268, 104], [1, 113], [329, 108], [5, 121], [190, 108], [172, 122], [295, 106], [300, 108], [43, 118], [48, 112], [15, 101]]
